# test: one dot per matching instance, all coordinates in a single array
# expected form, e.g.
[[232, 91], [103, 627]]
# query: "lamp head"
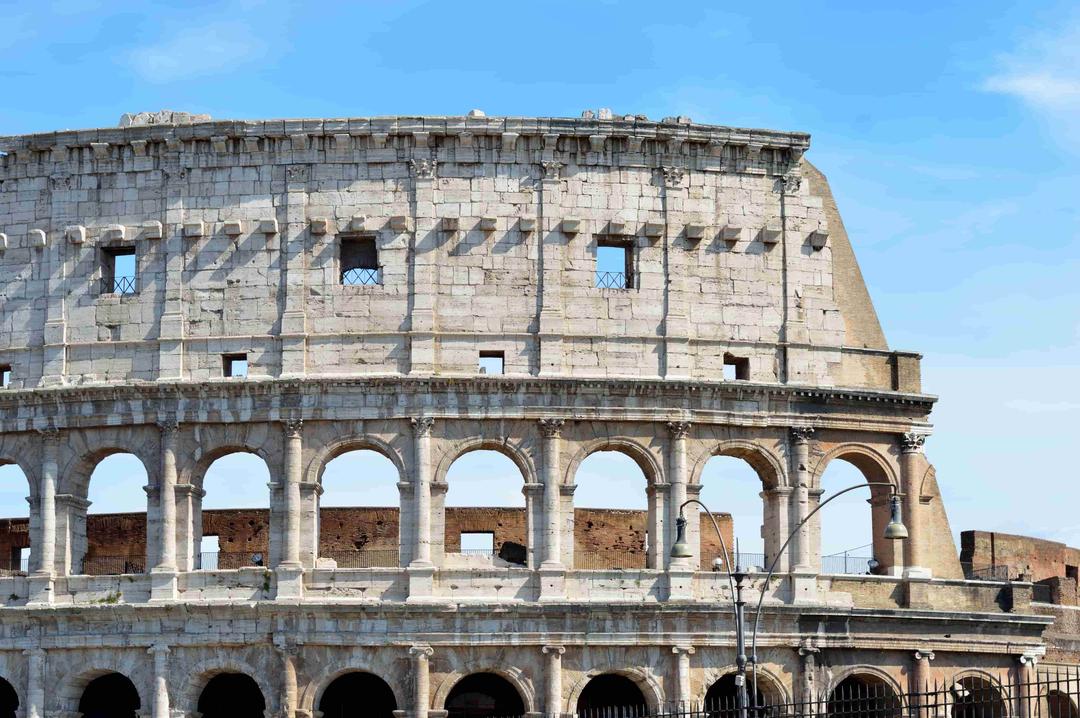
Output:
[[681, 549], [896, 529]]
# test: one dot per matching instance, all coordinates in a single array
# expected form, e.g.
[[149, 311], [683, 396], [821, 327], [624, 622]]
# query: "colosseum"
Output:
[[181, 289]]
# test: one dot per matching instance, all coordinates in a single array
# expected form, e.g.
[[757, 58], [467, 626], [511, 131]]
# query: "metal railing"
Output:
[[846, 564], [743, 560], [988, 572], [119, 285], [609, 560], [228, 560], [612, 280], [113, 565], [361, 277], [13, 566], [363, 558]]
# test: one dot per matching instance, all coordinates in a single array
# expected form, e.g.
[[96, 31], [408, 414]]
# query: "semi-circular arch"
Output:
[[512, 675], [521, 458], [766, 464], [645, 681], [313, 473], [648, 463]]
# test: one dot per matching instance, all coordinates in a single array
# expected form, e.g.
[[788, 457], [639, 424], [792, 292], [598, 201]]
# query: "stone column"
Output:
[[41, 581], [422, 494], [678, 480], [534, 506], [911, 445], [188, 553], [290, 572], [161, 681], [421, 680], [35, 682], [1026, 690], [920, 680], [289, 686], [777, 502], [682, 675], [659, 500], [800, 501], [163, 586], [808, 664], [553, 698], [551, 428]]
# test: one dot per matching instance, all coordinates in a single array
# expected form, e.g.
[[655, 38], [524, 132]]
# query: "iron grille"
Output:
[[119, 285], [113, 565], [363, 558], [360, 277], [611, 280]]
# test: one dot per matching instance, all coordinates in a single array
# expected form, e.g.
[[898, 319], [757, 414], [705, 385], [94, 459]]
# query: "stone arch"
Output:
[[857, 671], [511, 450], [12, 563], [73, 685], [647, 461], [195, 473], [203, 671], [768, 682], [10, 701], [511, 674], [767, 465], [11, 459], [991, 683], [311, 694], [317, 465], [75, 479], [644, 680], [874, 466]]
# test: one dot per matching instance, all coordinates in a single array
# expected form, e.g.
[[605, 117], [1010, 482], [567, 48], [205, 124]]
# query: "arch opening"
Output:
[[1060, 705], [108, 532], [112, 695], [721, 700], [484, 510], [614, 515], [358, 694], [359, 524], [484, 695], [15, 550], [231, 517], [864, 695], [849, 532], [9, 699], [231, 695], [611, 694], [977, 697], [732, 489]]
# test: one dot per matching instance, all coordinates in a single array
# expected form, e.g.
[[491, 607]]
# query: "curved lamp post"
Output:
[[894, 531]]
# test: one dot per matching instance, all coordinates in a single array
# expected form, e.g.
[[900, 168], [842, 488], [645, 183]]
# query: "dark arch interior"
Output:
[[484, 695], [358, 695], [613, 695], [864, 696], [721, 700], [231, 695], [1059, 705], [975, 697], [112, 695], [9, 700]]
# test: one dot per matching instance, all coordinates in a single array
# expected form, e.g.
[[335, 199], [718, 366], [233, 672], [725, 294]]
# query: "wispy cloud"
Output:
[[1044, 74], [213, 48]]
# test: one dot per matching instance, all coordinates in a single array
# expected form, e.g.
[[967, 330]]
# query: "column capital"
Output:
[[678, 429], [159, 649], [293, 427], [912, 442], [49, 434], [688, 650], [802, 434], [35, 652], [423, 168], [1031, 657], [552, 169], [924, 654], [551, 428], [168, 426], [673, 176], [421, 652], [554, 650], [421, 426]]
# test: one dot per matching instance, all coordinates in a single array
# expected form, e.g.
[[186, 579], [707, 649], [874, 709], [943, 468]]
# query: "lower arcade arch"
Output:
[[1060, 705], [232, 695], [484, 695], [357, 693], [111, 695], [864, 695], [721, 700], [976, 696], [9, 700], [611, 694]]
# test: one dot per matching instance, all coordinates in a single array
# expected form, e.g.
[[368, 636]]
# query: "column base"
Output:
[[41, 589], [421, 582], [804, 586], [290, 581], [680, 583], [163, 584], [552, 582]]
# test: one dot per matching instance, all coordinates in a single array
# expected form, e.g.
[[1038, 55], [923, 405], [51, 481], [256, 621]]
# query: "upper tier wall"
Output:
[[487, 232]]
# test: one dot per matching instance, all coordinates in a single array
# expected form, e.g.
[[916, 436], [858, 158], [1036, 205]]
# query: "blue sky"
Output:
[[950, 132]]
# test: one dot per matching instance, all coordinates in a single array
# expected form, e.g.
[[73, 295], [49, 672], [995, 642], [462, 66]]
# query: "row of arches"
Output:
[[489, 695]]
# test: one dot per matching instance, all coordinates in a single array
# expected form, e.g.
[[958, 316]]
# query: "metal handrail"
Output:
[[124, 284], [362, 277], [612, 280]]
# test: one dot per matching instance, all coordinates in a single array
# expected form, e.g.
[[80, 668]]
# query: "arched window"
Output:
[[849, 531], [613, 514], [15, 529], [112, 695], [977, 697], [233, 527], [359, 518], [9, 700], [113, 538], [485, 511], [864, 696], [484, 695], [231, 695], [354, 694], [731, 488], [610, 694], [722, 701]]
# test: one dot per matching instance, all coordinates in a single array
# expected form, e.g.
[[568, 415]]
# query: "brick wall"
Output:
[[1034, 558]]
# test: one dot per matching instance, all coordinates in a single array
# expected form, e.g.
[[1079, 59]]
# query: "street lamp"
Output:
[[895, 530]]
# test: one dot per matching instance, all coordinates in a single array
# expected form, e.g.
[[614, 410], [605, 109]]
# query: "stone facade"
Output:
[[486, 233]]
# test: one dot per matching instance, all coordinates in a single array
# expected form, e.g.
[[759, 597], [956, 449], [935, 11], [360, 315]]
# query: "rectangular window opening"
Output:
[[119, 271], [736, 368], [23, 557], [5, 376], [234, 365], [478, 542], [1071, 572], [209, 552], [614, 264], [359, 262], [492, 362]]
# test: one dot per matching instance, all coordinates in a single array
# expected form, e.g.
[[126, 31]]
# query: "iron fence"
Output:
[[846, 564], [228, 560], [363, 558], [746, 561], [361, 277], [113, 565], [612, 280], [14, 565], [119, 285]]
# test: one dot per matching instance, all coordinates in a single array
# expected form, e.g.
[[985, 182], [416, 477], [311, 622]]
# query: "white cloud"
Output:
[[210, 49]]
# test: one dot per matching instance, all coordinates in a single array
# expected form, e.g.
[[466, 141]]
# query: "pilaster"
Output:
[[911, 461], [293, 260], [552, 319], [425, 245]]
